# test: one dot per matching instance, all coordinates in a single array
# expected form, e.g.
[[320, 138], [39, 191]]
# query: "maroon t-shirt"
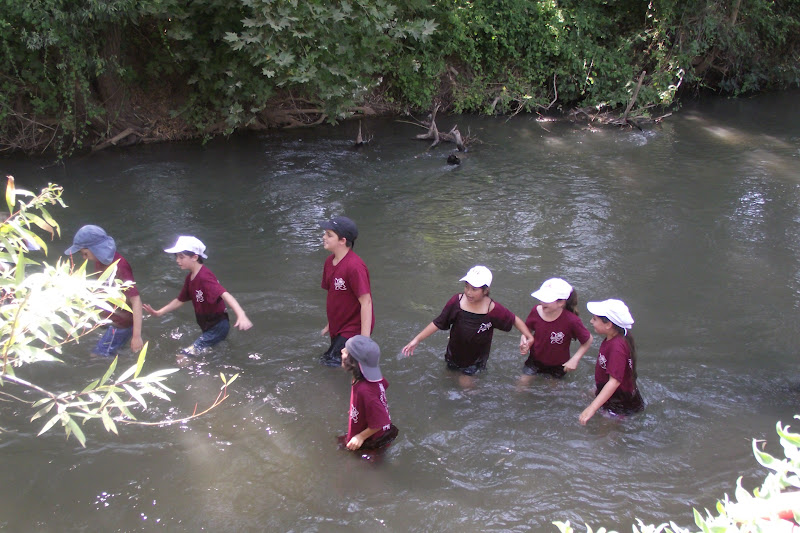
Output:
[[471, 333], [551, 340], [205, 292], [345, 282], [121, 318], [614, 360], [368, 408]]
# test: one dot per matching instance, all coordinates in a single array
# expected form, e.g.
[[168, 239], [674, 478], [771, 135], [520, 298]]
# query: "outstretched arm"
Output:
[[526, 333], [366, 314], [242, 322], [174, 304], [136, 308], [606, 393], [430, 329]]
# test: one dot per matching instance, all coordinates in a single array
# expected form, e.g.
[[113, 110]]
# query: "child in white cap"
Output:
[[554, 324], [370, 426], [471, 317], [615, 370], [208, 296], [94, 244]]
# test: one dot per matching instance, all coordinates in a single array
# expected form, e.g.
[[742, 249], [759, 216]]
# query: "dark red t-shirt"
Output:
[[551, 340], [471, 333], [614, 360], [205, 292], [368, 408], [345, 282], [121, 318]]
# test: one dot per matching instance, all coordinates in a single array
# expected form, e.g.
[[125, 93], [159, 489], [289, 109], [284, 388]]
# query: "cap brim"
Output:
[[73, 249], [372, 374]]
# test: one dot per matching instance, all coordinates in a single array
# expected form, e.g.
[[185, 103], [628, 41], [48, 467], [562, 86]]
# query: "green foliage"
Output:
[[772, 507], [44, 307], [224, 64]]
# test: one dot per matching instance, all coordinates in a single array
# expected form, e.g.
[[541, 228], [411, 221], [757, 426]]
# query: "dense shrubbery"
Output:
[[77, 72]]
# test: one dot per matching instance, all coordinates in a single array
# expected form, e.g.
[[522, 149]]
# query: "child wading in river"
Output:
[[554, 324], [208, 296], [472, 317], [615, 370], [346, 278], [370, 426]]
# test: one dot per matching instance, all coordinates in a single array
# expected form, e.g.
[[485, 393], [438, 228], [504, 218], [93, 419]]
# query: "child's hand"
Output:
[[243, 323], [586, 415], [408, 349], [149, 309], [570, 365], [523, 345], [325, 330], [355, 443]]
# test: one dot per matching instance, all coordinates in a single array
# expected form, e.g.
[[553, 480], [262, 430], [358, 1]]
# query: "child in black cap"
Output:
[[370, 426], [346, 278]]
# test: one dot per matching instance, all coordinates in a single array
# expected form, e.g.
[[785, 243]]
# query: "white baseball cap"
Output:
[[553, 289], [187, 243], [614, 310], [478, 276]]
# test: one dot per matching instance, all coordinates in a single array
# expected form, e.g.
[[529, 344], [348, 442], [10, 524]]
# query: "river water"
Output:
[[695, 223]]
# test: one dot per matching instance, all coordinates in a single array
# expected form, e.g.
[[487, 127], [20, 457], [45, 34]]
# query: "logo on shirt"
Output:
[[339, 284], [198, 296], [383, 397], [485, 327], [557, 337], [601, 360], [353, 414]]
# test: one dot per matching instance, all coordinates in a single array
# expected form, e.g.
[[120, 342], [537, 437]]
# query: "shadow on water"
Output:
[[695, 224]]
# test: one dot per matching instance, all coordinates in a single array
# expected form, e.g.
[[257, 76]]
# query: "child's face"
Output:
[[330, 240], [87, 255], [344, 355], [474, 294], [185, 261], [602, 328], [553, 306]]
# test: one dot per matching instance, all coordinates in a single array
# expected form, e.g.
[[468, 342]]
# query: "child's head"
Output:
[[361, 355], [93, 243], [479, 277], [189, 247], [556, 290], [343, 227], [613, 313]]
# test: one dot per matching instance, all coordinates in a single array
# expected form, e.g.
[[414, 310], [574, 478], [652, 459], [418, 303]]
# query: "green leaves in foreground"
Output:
[[774, 507], [44, 307]]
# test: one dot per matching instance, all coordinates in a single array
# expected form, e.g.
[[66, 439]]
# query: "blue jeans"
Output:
[[112, 340], [214, 335]]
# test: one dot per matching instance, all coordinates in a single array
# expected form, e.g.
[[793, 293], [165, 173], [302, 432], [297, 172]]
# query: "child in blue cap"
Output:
[[94, 244]]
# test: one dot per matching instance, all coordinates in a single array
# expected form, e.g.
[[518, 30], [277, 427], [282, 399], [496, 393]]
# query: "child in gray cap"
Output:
[[370, 426]]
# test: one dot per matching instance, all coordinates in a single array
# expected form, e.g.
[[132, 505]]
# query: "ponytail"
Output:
[[571, 303]]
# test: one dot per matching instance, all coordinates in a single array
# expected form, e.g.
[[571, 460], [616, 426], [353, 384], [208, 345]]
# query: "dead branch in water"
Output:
[[453, 136]]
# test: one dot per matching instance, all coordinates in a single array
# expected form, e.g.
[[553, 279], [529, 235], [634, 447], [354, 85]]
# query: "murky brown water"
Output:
[[695, 224]]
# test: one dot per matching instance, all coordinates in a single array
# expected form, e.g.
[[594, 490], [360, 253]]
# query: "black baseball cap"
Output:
[[342, 226]]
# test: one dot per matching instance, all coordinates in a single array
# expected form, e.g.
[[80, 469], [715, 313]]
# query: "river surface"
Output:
[[694, 223]]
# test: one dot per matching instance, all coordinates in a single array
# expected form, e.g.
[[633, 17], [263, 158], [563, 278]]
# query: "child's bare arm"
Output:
[[430, 329], [174, 304], [242, 322], [608, 390], [366, 314], [572, 364], [357, 440], [520, 325]]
